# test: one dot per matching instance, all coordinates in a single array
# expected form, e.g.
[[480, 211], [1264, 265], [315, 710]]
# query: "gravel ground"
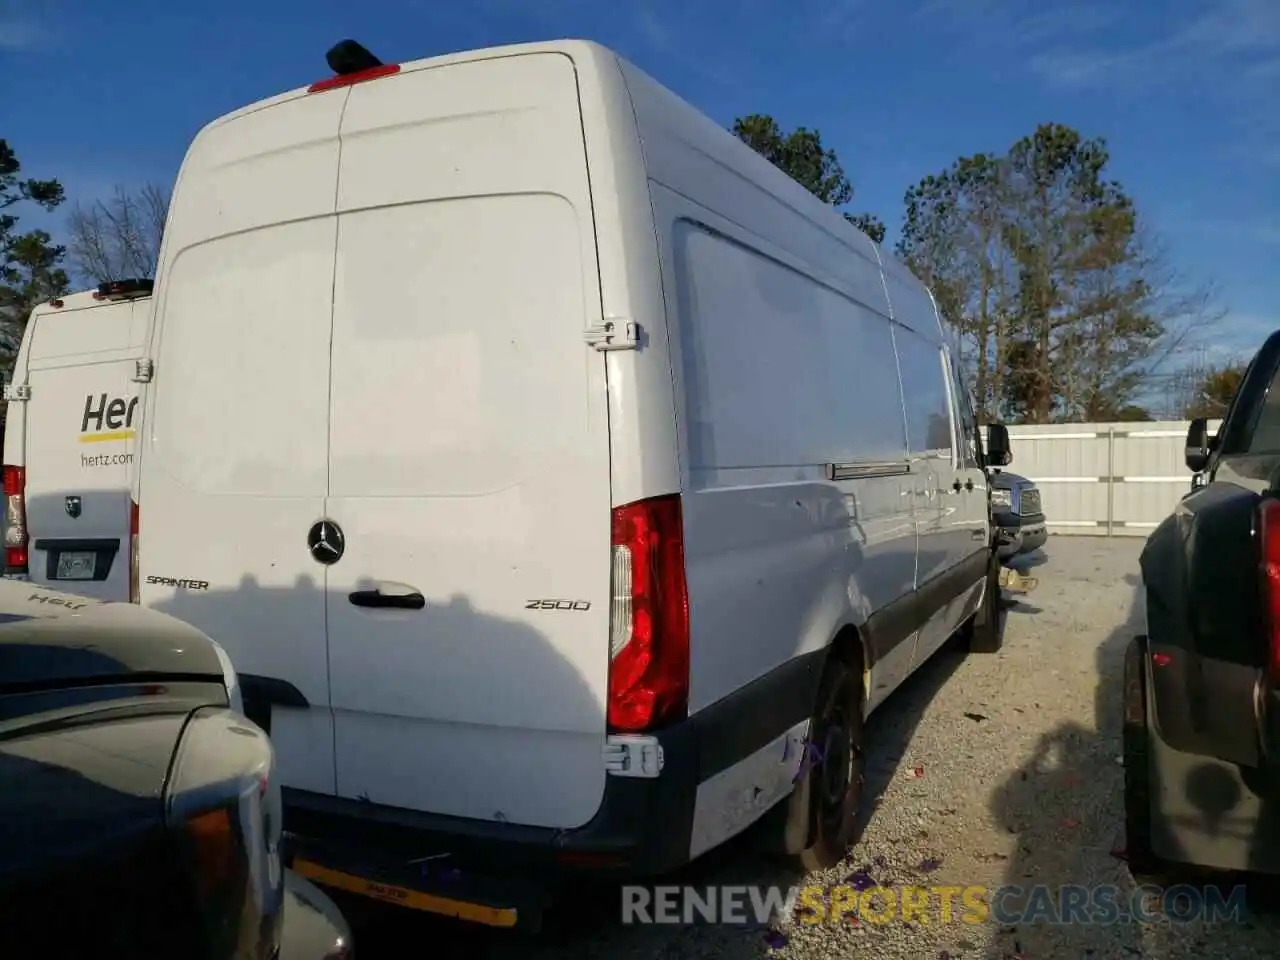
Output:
[[985, 770]]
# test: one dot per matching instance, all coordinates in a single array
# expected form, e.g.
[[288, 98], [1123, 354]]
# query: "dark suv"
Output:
[[140, 812]]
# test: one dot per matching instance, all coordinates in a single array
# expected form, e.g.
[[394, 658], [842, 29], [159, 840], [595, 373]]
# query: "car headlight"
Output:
[[224, 806], [1002, 498], [230, 679]]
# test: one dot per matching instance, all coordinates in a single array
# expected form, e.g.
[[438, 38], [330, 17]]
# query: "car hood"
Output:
[[1004, 480], [50, 638], [82, 789]]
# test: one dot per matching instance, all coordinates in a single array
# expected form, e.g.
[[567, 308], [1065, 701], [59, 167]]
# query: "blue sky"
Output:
[[1187, 92]]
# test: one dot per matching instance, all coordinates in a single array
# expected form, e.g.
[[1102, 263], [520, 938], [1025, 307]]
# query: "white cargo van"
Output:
[[73, 410], [550, 465]]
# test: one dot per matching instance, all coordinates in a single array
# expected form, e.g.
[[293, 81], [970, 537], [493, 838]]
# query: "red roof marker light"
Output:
[[352, 63], [349, 79]]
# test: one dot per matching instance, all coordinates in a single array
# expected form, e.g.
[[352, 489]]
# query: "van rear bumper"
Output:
[[642, 828]]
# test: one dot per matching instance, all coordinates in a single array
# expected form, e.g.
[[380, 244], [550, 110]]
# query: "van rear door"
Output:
[[80, 424], [469, 467], [233, 460]]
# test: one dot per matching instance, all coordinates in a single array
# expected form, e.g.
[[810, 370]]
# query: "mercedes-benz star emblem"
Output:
[[73, 507], [326, 542]]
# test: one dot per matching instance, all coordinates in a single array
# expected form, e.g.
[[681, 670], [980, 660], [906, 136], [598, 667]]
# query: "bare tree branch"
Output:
[[119, 237]]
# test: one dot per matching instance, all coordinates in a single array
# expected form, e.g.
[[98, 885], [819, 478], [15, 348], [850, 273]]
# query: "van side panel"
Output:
[[801, 505], [782, 377], [929, 438], [951, 517], [697, 174]]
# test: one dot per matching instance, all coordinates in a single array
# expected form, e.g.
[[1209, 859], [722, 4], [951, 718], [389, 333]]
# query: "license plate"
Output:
[[403, 896], [77, 565]]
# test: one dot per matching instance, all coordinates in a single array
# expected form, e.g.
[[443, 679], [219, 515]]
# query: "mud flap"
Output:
[[1206, 812], [1017, 582]]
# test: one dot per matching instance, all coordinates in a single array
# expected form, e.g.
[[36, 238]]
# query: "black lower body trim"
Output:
[[896, 622], [260, 694]]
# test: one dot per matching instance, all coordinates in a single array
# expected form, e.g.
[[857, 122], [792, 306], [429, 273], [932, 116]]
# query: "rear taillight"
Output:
[[15, 521], [1269, 548], [135, 594], [649, 621]]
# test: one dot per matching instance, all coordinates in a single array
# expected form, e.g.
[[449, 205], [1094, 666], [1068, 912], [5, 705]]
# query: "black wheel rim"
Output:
[[839, 773], [836, 769]]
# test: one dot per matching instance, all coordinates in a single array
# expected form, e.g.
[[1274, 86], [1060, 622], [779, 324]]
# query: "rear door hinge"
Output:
[[17, 392], [143, 370], [613, 335]]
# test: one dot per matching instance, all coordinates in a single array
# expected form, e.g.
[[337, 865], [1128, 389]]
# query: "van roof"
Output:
[[81, 300], [566, 46], [585, 50]]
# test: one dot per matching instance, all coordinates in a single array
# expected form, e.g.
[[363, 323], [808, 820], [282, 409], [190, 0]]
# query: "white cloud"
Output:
[[1225, 51], [1238, 335], [1263, 232], [1234, 44]]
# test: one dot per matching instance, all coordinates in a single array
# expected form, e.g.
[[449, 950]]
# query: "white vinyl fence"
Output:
[[1104, 479]]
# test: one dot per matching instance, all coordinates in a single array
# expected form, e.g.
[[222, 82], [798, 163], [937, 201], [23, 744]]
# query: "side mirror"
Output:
[[998, 452], [1197, 452]]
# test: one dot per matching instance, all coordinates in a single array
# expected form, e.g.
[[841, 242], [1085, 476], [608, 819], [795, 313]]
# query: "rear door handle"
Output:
[[395, 598]]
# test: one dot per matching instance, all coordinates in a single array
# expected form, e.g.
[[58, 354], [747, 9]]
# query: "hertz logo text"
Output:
[[110, 417]]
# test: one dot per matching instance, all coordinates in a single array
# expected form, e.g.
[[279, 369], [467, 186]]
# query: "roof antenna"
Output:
[[347, 57]]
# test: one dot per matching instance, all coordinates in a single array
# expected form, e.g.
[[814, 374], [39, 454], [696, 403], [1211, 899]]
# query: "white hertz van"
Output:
[[73, 412], [550, 465]]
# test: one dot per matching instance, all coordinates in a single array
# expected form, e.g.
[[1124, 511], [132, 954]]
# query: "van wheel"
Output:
[[1137, 771], [833, 782], [984, 633]]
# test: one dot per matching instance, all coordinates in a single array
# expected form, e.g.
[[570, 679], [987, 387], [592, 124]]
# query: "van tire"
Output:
[[834, 784], [984, 633]]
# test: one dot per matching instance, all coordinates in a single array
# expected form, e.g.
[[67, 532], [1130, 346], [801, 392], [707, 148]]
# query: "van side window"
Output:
[[925, 395], [967, 424], [742, 412]]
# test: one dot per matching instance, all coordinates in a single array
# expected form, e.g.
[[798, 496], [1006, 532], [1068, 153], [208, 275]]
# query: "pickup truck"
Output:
[[1016, 514], [1201, 689]]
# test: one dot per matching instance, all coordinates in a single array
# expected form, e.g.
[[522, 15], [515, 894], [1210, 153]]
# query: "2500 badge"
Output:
[[558, 605]]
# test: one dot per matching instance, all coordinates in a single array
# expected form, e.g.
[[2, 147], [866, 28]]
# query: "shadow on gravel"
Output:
[[1024, 562], [1013, 605], [892, 726], [1065, 807], [591, 925]]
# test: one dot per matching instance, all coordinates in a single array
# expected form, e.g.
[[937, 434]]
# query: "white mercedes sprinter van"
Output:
[[551, 466], [70, 436]]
